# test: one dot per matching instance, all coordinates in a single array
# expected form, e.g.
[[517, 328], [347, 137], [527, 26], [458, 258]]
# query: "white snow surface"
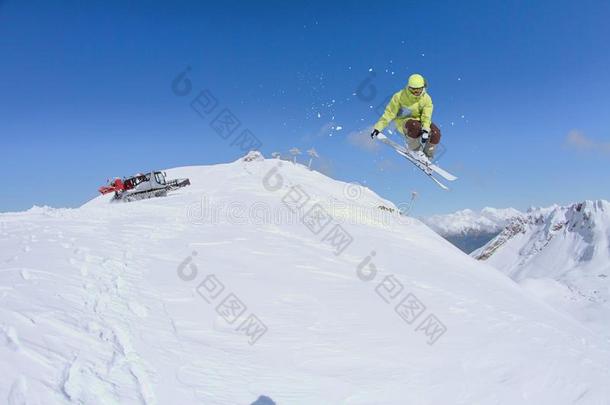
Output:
[[487, 220], [104, 304], [561, 253]]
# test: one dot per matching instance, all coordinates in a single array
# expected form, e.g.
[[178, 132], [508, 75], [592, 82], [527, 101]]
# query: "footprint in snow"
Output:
[[138, 309], [9, 338], [12, 259], [18, 393]]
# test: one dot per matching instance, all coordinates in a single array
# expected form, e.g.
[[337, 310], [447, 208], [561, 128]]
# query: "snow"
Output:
[[460, 222], [469, 230], [121, 303], [562, 254]]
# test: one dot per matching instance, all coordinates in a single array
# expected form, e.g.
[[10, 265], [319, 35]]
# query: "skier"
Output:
[[411, 109]]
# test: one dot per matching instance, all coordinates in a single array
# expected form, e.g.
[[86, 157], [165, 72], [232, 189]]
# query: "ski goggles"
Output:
[[416, 91]]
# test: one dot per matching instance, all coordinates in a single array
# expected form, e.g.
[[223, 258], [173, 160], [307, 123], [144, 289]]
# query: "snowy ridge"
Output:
[[488, 220], [542, 211], [121, 303], [469, 230], [562, 251], [586, 224]]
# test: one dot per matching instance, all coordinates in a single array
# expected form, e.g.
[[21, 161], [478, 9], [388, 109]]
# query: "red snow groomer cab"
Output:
[[142, 186], [114, 185]]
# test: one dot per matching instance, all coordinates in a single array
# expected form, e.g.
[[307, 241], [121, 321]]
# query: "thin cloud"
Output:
[[362, 139], [328, 128], [385, 162], [578, 140]]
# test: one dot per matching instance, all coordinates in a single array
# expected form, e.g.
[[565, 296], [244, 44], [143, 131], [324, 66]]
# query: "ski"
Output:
[[423, 168], [403, 151], [427, 168]]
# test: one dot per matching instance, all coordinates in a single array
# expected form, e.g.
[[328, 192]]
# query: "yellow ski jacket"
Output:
[[404, 106]]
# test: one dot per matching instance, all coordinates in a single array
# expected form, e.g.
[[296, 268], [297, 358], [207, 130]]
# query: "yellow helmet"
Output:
[[416, 81]]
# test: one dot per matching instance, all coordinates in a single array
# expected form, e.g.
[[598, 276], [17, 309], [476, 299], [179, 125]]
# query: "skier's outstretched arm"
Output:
[[391, 111]]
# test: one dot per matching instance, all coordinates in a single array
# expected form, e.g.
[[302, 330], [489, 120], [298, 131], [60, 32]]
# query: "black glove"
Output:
[[424, 136], [374, 133]]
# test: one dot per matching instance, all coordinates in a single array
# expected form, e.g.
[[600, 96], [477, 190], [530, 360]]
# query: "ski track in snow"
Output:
[[92, 310]]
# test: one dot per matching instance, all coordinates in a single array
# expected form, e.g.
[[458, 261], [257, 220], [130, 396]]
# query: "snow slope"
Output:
[[468, 229], [154, 302], [562, 254]]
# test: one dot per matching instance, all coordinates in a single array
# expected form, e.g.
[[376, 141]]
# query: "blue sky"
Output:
[[520, 91]]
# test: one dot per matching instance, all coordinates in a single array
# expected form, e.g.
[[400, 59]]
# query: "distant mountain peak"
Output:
[[561, 252], [465, 221], [468, 229], [544, 224]]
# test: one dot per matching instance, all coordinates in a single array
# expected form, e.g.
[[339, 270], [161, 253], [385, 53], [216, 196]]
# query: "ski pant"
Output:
[[413, 132]]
